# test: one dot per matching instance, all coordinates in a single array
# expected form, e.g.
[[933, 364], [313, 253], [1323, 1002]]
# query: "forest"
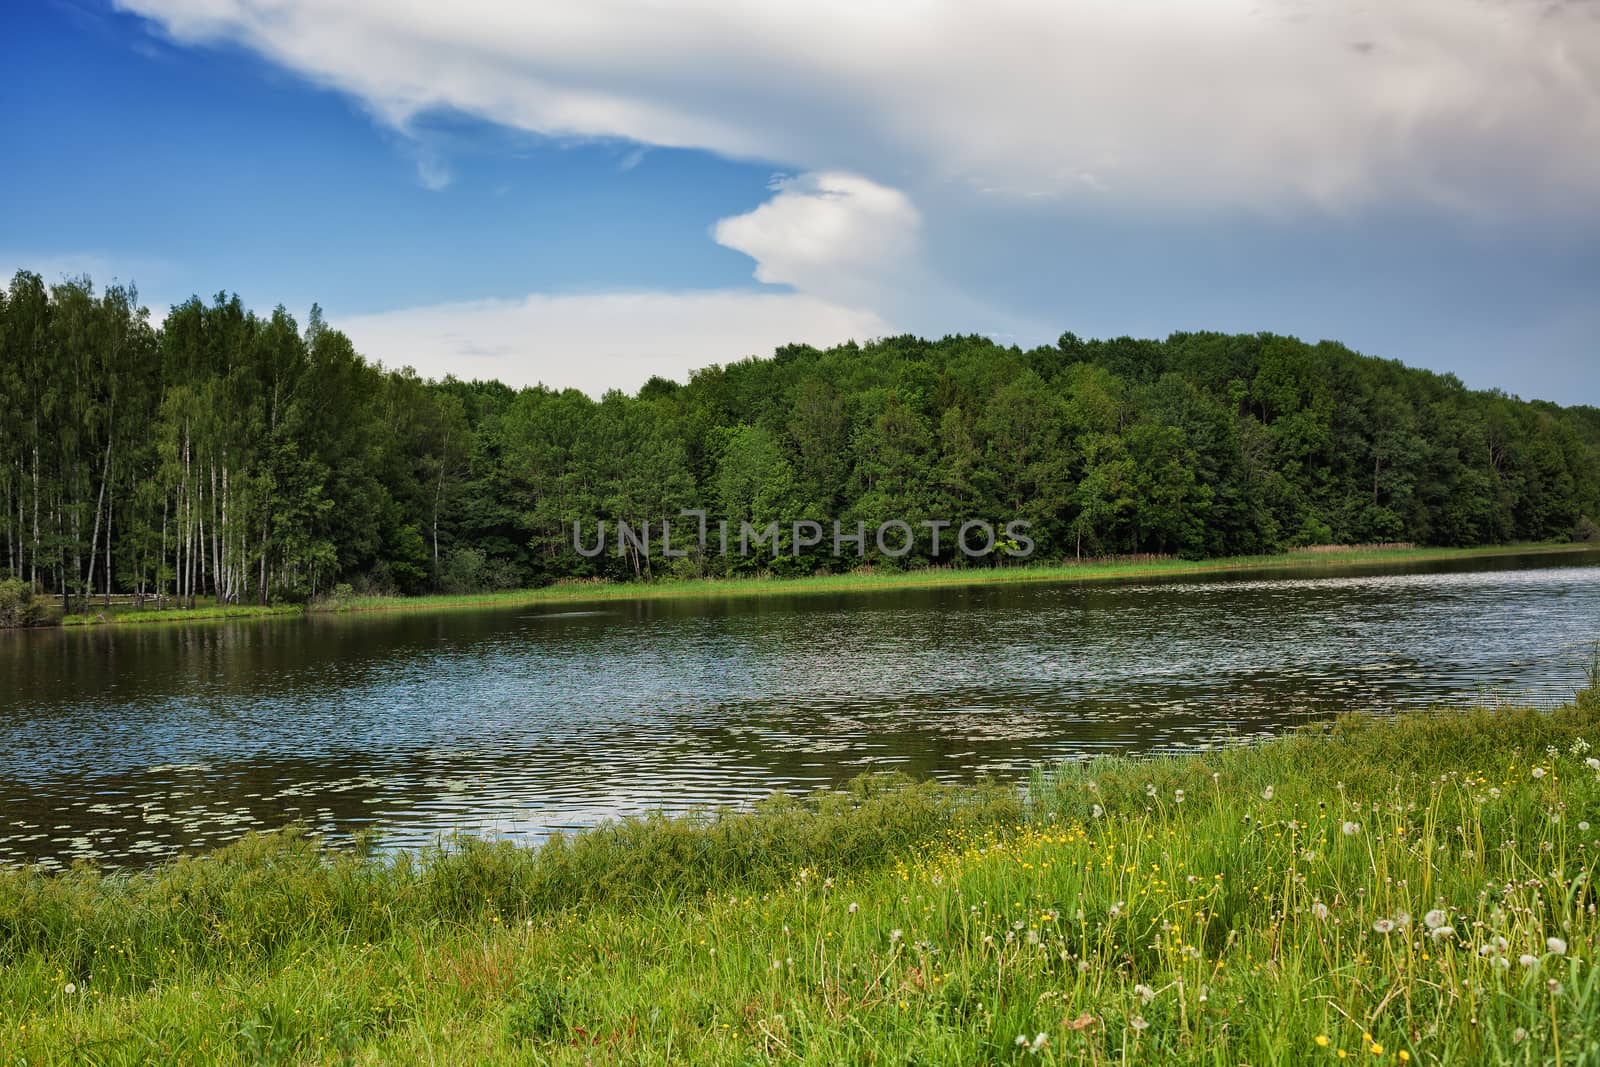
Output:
[[247, 458]]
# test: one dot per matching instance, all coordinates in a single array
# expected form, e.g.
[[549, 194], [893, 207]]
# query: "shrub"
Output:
[[19, 606]]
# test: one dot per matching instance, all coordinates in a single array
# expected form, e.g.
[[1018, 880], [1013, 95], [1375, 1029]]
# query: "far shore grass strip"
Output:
[[854, 582]]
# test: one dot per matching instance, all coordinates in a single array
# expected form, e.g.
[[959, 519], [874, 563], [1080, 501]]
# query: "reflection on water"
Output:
[[128, 745]]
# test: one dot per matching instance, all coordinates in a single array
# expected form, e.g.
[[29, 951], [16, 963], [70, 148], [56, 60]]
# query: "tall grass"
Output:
[[927, 577], [1417, 890], [766, 585]]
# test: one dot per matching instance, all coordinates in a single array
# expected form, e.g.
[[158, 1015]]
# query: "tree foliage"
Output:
[[231, 455]]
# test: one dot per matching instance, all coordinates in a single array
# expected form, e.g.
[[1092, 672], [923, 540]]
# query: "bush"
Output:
[[470, 570], [19, 607], [1586, 530]]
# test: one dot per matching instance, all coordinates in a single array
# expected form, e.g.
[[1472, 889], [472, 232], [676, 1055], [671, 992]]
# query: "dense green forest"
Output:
[[252, 458]]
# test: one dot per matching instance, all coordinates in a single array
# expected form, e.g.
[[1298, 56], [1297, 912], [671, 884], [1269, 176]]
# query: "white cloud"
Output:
[[1490, 106], [597, 342], [848, 248], [832, 234]]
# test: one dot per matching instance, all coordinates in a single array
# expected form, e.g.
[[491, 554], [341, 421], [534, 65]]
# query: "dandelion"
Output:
[[1383, 926], [1022, 1040], [1494, 791], [854, 907], [1097, 811], [1116, 909], [1040, 1040], [1538, 772], [1442, 933], [1322, 1040], [1351, 829], [1150, 790], [1518, 1036], [777, 965], [1320, 910], [1177, 795], [1435, 918], [1377, 1049], [1402, 919], [1584, 826], [895, 935], [1554, 987], [1501, 963], [1592, 763], [1528, 960], [1556, 945], [69, 989], [1138, 1023], [1266, 794], [1144, 993], [1403, 1056], [1083, 966]]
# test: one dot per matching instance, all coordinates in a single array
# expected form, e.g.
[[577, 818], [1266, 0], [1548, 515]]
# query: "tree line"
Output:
[[247, 458]]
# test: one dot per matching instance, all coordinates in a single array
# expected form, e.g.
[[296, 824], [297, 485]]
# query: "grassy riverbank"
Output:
[[1088, 571], [1417, 890], [766, 586]]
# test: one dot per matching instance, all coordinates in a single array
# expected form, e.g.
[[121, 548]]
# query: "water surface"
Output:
[[130, 744]]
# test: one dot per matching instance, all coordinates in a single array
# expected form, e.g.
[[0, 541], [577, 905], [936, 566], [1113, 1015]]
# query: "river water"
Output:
[[130, 744]]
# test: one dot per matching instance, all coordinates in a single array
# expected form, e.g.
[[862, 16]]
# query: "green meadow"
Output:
[[1416, 889]]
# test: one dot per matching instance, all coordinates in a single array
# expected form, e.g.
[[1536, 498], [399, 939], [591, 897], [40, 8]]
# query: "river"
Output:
[[130, 744]]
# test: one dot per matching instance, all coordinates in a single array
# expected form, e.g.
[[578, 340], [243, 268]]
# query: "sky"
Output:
[[586, 194]]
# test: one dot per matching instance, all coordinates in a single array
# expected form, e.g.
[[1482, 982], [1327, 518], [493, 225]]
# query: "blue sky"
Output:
[[585, 196]]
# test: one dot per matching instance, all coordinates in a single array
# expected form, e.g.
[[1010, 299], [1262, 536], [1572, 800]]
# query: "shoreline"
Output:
[[820, 585], [1332, 880]]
